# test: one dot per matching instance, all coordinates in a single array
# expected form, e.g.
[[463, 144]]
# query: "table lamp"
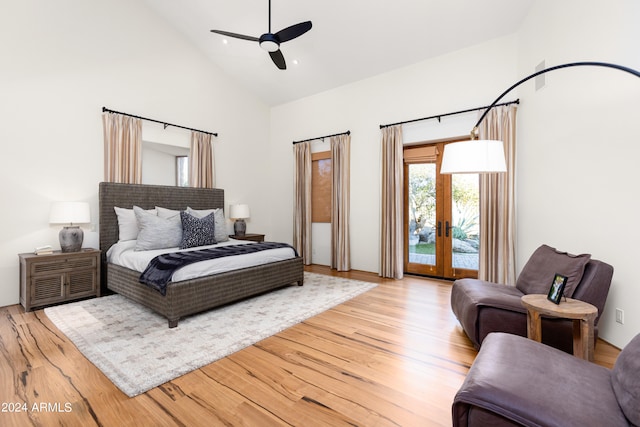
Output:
[[71, 236], [239, 213]]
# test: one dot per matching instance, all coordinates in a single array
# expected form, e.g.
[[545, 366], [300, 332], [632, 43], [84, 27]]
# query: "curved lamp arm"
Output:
[[488, 156], [474, 132]]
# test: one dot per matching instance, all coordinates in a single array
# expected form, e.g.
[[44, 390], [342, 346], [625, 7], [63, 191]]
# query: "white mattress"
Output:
[[123, 254]]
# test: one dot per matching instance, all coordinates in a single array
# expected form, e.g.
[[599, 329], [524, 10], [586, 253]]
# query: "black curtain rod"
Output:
[[439, 116], [323, 137], [165, 124]]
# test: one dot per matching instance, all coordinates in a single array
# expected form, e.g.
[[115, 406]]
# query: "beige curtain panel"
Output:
[[340, 195], [391, 249], [201, 173], [497, 202], [302, 201], [122, 148]]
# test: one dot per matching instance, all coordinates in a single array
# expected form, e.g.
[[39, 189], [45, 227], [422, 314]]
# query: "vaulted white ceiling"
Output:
[[350, 39]]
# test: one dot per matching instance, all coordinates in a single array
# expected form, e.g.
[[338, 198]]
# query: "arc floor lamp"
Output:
[[487, 156]]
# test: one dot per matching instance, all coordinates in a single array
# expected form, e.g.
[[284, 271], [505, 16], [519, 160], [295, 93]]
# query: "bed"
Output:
[[190, 296]]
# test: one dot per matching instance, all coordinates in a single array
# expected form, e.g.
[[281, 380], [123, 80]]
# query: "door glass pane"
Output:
[[465, 217], [422, 213]]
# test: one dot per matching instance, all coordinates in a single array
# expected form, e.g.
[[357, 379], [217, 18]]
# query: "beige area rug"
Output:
[[136, 350]]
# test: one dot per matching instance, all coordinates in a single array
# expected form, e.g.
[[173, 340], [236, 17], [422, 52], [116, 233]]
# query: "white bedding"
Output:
[[123, 254]]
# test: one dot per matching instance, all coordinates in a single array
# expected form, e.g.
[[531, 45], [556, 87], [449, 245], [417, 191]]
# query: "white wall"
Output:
[[578, 144], [577, 137], [445, 84], [60, 62]]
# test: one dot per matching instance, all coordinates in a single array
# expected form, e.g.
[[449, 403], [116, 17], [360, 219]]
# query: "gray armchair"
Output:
[[484, 307], [515, 381]]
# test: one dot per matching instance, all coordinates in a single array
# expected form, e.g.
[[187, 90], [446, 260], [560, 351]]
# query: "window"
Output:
[[321, 187], [161, 164], [182, 171]]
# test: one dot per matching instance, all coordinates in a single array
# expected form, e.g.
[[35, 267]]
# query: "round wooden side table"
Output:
[[583, 315]]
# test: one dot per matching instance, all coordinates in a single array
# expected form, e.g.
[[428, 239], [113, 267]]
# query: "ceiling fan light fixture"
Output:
[[269, 42]]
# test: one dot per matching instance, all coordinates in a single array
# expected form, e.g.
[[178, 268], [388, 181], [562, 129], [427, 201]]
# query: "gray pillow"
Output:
[[625, 379], [544, 264], [127, 223], [166, 213], [221, 234], [156, 232]]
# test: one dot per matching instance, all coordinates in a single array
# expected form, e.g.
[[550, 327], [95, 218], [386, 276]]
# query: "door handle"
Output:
[[439, 228], [447, 228]]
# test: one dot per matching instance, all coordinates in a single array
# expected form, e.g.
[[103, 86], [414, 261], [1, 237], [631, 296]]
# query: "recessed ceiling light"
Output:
[[225, 41], [295, 62]]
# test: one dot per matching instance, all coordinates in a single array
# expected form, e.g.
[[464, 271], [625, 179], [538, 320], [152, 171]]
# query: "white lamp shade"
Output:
[[239, 211], [70, 212], [480, 156]]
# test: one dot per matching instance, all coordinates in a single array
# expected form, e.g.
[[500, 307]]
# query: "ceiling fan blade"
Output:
[[278, 59], [293, 31], [237, 36]]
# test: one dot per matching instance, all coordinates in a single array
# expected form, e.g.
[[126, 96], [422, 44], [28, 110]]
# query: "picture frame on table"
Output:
[[557, 288]]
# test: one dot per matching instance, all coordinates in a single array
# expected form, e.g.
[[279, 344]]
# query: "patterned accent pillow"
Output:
[[221, 233], [197, 231]]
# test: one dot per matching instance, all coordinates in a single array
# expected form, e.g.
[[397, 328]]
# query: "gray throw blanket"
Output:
[[159, 271]]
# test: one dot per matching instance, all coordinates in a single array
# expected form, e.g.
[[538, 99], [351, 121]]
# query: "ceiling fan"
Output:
[[271, 42]]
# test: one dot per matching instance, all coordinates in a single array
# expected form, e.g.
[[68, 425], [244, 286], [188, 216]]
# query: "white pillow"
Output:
[[127, 223], [156, 232], [220, 229]]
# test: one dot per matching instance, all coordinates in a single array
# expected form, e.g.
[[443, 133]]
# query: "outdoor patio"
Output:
[[460, 260]]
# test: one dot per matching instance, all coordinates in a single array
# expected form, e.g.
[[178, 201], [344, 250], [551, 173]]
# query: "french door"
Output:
[[441, 224]]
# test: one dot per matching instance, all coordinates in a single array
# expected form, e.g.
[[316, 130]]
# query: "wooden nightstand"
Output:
[[58, 277], [249, 236]]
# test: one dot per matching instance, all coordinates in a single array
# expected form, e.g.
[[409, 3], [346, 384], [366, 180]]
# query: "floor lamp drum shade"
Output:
[[71, 236], [239, 213], [474, 157]]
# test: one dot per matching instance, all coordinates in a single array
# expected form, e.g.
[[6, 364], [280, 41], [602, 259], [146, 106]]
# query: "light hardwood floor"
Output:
[[394, 356]]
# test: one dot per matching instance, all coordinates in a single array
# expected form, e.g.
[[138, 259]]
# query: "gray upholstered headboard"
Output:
[[147, 196]]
